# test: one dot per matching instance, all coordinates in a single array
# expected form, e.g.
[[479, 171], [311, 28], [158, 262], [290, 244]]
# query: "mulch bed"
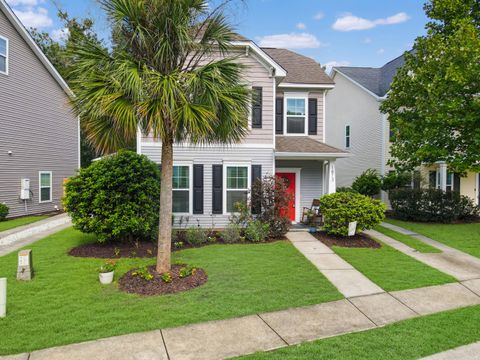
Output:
[[356, 241], [136, 285]]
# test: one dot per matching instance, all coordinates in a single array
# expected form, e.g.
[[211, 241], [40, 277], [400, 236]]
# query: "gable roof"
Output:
[[300, 69], [375, 80], [304, 144], [5, 8]]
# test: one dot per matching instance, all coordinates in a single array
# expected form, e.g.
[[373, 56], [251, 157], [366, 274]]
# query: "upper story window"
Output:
[[45, 186], [3, 55], [296, 115], [347, 136], [181, 189]]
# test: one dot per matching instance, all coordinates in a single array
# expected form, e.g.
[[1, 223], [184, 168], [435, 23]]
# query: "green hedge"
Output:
[[3, 211]]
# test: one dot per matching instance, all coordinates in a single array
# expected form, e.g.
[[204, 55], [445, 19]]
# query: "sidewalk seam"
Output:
[[401, 302], [271, 328], [466, 287], [164, 344], [356, 307]]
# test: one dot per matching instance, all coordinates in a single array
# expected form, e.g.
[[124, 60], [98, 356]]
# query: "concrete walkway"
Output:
[[21, 236], [467, 352], [450, 261], [349, 281]]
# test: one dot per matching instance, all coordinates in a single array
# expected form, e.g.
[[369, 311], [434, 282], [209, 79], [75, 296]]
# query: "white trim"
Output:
[[139, 140], [226, 164], [31, 43], [384, 144], [378, 98], [324, 105], [206, 146], [188, 164], [40, 173], [7, 55], [295, 96], [477, 189], [279, 70], [303, 85], [297, 172], [304, 155], [79, 148], [274, 113]]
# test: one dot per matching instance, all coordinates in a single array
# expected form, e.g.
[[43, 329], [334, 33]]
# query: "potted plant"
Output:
[[312, 226], [106, 272]]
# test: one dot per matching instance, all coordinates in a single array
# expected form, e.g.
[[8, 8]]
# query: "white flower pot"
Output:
[[106, 278]]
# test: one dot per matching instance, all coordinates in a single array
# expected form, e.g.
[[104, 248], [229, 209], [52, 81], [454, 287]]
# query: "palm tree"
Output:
[[171, 73]]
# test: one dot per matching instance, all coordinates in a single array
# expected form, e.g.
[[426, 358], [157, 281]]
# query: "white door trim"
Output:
[[297, 172]]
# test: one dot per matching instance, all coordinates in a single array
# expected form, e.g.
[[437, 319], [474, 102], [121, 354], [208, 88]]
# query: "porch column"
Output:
[[332, 177], [443, 175]]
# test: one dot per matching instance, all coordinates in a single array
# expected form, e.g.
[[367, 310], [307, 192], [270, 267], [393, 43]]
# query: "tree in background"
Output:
[[434, 103], [161, 76]]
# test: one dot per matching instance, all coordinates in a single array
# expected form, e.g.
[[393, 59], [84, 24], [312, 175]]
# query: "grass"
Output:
[[13, 223], [464, 237], [65, 303], [409, 339], [392, 270], [408, 240]]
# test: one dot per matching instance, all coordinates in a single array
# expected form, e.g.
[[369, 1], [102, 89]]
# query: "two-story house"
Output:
[[287, 137], [355, 124], [39, 134]]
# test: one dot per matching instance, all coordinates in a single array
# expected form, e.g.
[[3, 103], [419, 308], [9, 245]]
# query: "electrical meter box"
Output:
[[25, 189]]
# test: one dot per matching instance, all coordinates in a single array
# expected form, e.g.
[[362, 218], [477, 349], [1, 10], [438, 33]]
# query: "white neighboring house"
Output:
[[355, 124]]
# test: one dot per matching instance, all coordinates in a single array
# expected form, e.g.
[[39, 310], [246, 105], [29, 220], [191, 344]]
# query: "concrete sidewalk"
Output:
[[467, 352], [21, 236]]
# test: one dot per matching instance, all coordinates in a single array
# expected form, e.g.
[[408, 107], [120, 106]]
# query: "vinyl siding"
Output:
[[36, 124], [209, 156]]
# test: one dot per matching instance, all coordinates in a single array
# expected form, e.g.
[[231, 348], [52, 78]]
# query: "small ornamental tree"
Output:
[[116, 198], [369, 183], [3, 211], [340, 209]]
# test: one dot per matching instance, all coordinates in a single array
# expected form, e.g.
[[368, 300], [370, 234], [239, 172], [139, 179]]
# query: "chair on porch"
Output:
[[313, 211]]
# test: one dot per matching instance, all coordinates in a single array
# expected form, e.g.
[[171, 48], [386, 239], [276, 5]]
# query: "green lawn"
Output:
[[10, 224], [65, 302], [408, 240], [392, 270], [464, 237], [410, 339]]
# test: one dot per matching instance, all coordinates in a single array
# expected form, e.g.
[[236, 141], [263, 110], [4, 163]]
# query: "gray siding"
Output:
[[209, 156], [36, 124]]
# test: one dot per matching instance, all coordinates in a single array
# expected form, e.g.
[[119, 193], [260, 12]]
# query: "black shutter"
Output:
[[257, 108], [312, 117], [456, 182], [279, 115], [432, 179], [217, 190], [197, 189], [256, 201]]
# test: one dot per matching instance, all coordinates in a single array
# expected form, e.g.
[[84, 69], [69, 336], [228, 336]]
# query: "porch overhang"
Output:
[[305, 148]]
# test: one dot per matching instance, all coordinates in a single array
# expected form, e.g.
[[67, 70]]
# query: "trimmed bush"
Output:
[[432, 205], [256, 231], [346, 189], [3, 211], [340, 209], [369, 183], [232, 233], [396, 180], [196, 235], [116, 198]]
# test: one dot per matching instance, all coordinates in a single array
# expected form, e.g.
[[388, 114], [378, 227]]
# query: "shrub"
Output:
[[3, 211], [346, 189], [143, 273], [187, 271], [116, 198], [395, 180], [256, 231], [340, 209], [232, 233], [368, 183], [196, 236], [432, 205]]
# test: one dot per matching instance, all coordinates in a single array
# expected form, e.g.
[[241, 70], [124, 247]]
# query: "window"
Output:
[[450, 177], [3, 55], [236, 186], [45, 186], [296, 115], [347, 136], [181, 189]]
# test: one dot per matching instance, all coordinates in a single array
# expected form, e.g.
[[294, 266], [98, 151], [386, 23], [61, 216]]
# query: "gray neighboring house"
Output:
[[287, 138], [39, 134]]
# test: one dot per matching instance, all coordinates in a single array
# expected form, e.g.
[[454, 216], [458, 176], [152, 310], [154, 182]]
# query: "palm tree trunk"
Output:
[[165, 226]]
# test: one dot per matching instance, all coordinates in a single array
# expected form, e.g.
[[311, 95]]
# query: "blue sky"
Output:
[[347, 32]]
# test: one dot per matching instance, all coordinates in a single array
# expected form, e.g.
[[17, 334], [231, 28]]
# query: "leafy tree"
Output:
[[434, 103], [369, 183], [161, 76]]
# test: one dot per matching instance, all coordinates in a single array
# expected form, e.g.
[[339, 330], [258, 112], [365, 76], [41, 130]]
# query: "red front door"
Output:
[[289, 179]]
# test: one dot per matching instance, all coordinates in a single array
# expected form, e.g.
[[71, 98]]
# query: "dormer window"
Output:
[[3, 55], [296, 114]]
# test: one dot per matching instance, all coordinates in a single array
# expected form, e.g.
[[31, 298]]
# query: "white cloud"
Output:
[[380, 51], [319, 16], [329, 65], [36, 18], [351, 22], [301, 26], [60, 34], [290, 41], [24, 2], [367, 40]]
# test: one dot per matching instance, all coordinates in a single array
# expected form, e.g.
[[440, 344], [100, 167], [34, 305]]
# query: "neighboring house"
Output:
[[355, 124], [39, 134], [286, 137]]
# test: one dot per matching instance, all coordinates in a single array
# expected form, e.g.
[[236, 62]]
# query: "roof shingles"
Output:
[[303, 144]]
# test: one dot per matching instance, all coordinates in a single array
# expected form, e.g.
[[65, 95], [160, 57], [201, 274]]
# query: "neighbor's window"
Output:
[[181, 189], [347, 136], [296, 115], [237, 186], [450, 177], [3, 55], [45, 182]]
